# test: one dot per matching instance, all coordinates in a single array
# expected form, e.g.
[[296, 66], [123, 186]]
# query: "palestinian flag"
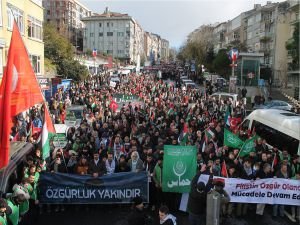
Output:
[[183, 137], [208, 135], [47, 133]]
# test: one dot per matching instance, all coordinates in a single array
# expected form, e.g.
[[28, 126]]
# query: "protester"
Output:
[[197, 198], [5, 210], [165, 218], [131, 138], [137, 215]]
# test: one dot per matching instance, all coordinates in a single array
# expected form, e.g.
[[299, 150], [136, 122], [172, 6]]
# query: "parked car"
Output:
[[275, 104], [221, 82], [226, 96]]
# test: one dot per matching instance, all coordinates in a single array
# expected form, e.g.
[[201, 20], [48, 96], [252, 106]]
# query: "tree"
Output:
[[241, 46], [221, 63], [293, 48], [60, 53], [72, 69]]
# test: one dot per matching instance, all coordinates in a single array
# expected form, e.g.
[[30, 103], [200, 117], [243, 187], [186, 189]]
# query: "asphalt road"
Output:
[[116, 215]]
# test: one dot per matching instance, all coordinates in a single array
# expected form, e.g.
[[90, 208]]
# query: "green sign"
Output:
[[60, 141], [179, 168], [232, 140], [119, 98]]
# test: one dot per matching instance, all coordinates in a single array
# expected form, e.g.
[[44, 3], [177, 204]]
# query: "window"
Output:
[[36, 63], [275, 138], [120, 34], [35, 29], [101, 34], [48, 12], [120, 52], [91, 34], [109, 52], [107, 24], [112, 24], [109, 34], [1, 62], [100, 24], [18, 14], [1, 16]]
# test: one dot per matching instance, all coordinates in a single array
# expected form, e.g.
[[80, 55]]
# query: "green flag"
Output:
[[232, 140], [248, 146], [179, 168]]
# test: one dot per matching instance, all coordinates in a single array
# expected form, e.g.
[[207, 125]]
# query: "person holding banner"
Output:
[[296, 209], [197, 197], [263, 173], [282, 173], [97, 167]]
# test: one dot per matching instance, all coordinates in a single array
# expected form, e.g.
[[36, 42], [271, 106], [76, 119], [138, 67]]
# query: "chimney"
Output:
[[106, 10], [256, 6]]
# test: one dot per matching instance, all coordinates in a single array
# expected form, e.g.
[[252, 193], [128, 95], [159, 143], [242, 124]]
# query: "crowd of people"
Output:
[[131, 138]]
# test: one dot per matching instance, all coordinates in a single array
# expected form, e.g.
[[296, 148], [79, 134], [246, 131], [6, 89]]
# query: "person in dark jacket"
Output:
[[197, 198], [97, 167], [263, 173], [137, 215], [165, 218]]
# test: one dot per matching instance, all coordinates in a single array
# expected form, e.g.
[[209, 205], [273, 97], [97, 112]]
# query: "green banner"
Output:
[[179, 168], [232, 140], [248, 146]]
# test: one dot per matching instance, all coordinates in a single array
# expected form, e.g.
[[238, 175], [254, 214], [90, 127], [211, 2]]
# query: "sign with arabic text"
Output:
[[179, 168]]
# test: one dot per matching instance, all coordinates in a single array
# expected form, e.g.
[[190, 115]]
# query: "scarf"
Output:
[[169, 216], [110, 166], [133, 165]]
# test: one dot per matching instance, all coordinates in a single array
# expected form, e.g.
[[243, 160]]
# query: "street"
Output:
[[116, 215]]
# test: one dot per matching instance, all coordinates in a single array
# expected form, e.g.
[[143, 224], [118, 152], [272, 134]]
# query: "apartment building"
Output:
[[114, 34], [165, 50], [293, 71], [66, 15], [29, 17], [219, 33]]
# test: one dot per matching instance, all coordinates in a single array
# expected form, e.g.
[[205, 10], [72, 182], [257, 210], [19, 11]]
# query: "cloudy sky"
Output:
[[175, 19]]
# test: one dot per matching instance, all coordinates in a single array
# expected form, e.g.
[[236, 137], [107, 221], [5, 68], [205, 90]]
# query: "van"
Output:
[[280, 128], [13, 172], [190, 85], [186, 81], [226, 96]]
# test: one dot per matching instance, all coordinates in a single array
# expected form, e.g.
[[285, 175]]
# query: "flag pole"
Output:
[[274, 161]]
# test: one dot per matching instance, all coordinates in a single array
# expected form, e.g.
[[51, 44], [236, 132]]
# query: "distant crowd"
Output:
[[131, 137]]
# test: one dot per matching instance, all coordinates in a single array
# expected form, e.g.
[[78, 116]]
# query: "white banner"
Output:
[[265, 191]]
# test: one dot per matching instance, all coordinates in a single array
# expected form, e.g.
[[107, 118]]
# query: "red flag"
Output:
[[185, 128], [50, 126], [234, 122], [224, 169], [110, 62], [19, 90], [113, 105]]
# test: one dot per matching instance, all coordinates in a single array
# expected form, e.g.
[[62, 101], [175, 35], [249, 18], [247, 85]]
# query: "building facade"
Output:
[[66, 16], [219, 37], [263, 30], [29, 17], [165, 50], [114, 34]]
